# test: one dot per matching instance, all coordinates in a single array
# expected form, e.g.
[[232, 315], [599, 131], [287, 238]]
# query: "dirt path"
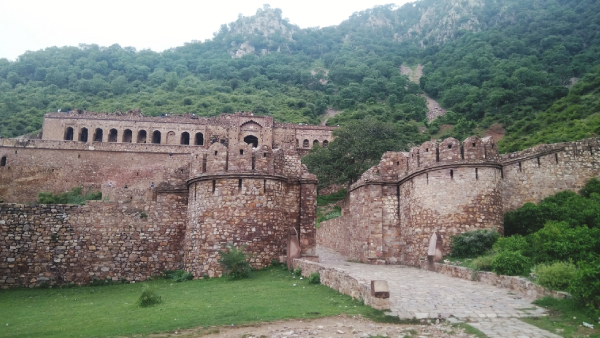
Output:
[[338, 326], [434, 108], [328, 114]]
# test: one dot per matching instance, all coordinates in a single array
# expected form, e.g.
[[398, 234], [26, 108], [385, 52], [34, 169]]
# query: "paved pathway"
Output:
[[426, 294]]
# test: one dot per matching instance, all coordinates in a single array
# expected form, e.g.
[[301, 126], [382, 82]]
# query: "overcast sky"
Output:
[[157, 25]]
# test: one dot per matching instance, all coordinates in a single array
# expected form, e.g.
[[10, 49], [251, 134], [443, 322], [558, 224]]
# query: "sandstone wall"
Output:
[[446, 204], [536, 173], [442, 189], [59, 166], [256, 213], [69, 243]]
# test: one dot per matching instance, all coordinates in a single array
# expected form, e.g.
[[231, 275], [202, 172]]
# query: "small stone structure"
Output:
[[405, 209], [176, 190]]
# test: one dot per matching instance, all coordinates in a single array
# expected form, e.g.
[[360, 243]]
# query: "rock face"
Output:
[[176, 190], [392, 213]]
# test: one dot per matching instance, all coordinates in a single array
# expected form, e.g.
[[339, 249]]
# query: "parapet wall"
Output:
[[409, 200], [75, 244]]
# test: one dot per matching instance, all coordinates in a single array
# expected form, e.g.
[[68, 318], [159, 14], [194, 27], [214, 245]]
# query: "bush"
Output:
[[592, 186], [524, 221], [556, 276], [512, 243], [234, 262], [178, 275], [483, 262], [314, 278], [298, 272], [558, 241], [511, 263], [585, 285], [72, 197], [473, 243], [323, 200], [148, 297]]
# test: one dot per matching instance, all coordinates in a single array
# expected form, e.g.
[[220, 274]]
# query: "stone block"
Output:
[[380, 289]]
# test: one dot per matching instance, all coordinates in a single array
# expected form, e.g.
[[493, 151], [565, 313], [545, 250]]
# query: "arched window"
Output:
[[69, 134], [142, 135], [112, 135], [325, 144], [156, 137], [185, 138], [315, 143], [251, 139], [127, 136], [98, 135], [305, 144], [3, 161], [199, 139], [83, 135]]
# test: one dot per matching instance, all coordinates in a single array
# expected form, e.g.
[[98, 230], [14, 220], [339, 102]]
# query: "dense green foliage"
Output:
[[556, 276], [112, 311], [323, 200], [234, 262], [358, 146], [573, 117], [72, 197], [178, 275], [561, 228], [511, 263], [514, 62], [473, 243], [566, 206]]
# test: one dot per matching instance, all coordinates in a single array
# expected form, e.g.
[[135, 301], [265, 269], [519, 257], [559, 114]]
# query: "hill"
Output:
[[487, 62]]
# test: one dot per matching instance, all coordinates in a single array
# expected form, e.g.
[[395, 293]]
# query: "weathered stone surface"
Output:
[[393, 212]]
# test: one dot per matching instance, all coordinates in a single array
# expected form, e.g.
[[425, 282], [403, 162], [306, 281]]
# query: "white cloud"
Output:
[[37, 24]]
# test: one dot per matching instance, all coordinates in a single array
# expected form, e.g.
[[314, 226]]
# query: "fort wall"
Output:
[[393, 212], [99, 240]]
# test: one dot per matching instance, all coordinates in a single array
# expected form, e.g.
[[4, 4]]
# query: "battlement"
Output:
[[396, 166]]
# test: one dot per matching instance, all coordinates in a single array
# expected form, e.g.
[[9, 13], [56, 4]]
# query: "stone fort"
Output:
[[177, 189]]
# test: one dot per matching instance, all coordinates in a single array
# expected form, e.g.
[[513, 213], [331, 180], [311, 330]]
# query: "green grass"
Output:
[[471, 330], [566, 318], [109, 311]]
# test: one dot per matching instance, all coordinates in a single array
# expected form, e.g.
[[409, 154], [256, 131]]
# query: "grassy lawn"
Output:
[[109, 311], [566, 318]]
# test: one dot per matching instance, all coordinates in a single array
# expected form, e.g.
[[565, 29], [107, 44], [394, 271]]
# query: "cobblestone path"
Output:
[[426, 294]]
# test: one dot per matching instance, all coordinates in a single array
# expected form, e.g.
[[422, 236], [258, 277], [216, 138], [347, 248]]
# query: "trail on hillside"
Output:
[[328, 114], [433, 107]]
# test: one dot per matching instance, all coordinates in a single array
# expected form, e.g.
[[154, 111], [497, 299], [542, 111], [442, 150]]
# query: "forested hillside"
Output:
[[504, 62]]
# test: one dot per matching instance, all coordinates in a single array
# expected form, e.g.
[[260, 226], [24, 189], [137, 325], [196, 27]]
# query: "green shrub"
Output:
[[483, 262], [559, 241], [148, 297], [298, 272], [585, 285], [524, 221], [473, 243], [592, 186], [234, 262], [314, 278], [512, 243], [72, 197], [511, 263], [178, 275], [323, 200], [556, 276]]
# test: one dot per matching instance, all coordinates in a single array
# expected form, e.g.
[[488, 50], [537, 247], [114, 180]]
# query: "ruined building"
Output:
[[176, 190], [407, 207], [179, 188]]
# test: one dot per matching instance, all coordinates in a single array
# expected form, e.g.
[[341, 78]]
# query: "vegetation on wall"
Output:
[[75, 196]]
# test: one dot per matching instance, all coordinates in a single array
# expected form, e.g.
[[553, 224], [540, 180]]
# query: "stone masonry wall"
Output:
[[75, 244], [541, 171], [238, 211], [447, 188]]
